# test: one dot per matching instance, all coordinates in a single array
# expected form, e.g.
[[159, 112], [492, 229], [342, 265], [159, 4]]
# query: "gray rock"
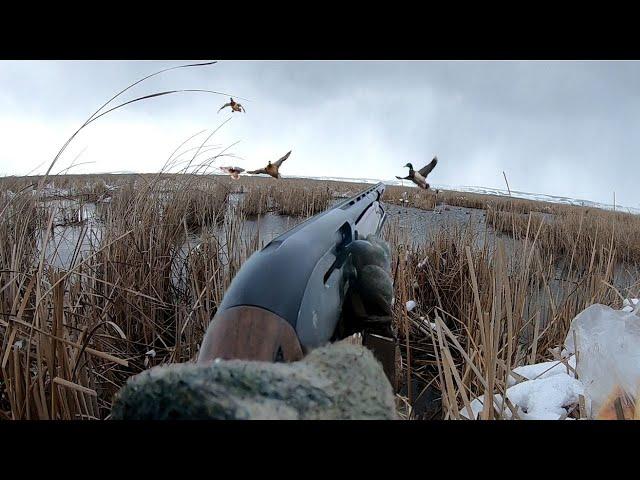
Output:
[[338, 381]]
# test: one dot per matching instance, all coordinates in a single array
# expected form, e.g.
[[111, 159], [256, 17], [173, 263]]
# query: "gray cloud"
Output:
[[562, 128]]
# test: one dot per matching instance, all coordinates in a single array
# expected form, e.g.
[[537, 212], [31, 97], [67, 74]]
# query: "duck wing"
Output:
[[224, 106], [424, 171], [403, 178], [256, 172], [231, 170], [279, 162]]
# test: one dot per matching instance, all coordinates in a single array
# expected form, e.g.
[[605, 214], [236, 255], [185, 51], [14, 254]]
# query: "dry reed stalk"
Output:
[[138, 283], [293, 200], [510, 305]]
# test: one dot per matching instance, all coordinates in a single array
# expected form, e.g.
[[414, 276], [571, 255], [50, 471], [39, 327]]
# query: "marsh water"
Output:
[[77, 229]]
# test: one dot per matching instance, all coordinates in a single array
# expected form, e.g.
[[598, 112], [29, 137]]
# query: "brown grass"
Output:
[[294, 199], [73, 334], [485, 307], [572, 231], [256, 200], [141, 289], [410, 197], [429, 199]]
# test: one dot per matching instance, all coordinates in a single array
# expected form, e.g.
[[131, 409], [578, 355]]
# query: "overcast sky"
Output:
[[560, 128]]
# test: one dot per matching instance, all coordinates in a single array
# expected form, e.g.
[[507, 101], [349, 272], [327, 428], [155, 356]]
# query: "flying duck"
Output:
[[235, 106], [420, 177], [271, 168], [233, 171]]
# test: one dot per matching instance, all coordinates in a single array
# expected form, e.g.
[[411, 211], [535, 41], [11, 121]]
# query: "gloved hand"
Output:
[[368, 302], [369, 299]]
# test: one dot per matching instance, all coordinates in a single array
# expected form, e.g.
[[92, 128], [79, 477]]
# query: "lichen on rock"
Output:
[[336, 382]]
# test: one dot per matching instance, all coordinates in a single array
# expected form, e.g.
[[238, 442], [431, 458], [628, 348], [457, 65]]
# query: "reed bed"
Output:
[[296, 200], [571, 231], [144, 276], [410, 197], [206, 204], [73, 333], [293, 197], [429, 199], [487, 305], [256, 200]]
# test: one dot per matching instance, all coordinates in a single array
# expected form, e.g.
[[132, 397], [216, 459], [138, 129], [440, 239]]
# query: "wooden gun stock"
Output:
[[250, 333]]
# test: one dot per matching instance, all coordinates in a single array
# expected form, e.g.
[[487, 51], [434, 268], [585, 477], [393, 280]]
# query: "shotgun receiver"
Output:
[[287, 298]]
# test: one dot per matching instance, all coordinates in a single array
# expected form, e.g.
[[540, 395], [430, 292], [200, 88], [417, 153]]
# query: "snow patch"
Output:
[[477, 405], [545, 398], [543, 370]]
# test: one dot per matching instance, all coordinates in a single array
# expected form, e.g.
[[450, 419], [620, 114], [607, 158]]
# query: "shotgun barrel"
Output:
[[287, 298]]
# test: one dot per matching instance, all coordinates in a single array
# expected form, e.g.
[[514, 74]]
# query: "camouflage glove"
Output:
[[369, 298], [368, 302]]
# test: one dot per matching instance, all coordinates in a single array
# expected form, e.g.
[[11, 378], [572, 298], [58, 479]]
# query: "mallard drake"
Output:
[[233, 171], [235, 106], [419, 177], [271, 168]]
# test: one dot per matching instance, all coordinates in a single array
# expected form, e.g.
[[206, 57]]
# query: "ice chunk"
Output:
[[608, 345]]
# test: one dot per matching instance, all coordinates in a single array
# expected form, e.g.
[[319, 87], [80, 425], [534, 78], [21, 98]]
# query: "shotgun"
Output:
[[288, 298]]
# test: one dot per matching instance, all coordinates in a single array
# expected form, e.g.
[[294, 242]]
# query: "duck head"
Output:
[[408, 165]]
